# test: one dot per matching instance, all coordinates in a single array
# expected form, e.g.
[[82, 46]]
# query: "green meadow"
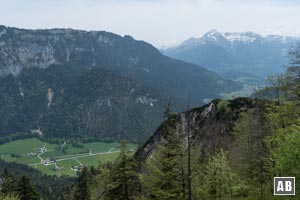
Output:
[[65, 156]]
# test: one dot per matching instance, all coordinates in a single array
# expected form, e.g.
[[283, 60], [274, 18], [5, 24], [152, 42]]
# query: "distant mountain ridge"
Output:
[[244, 52], [21, 48], [238, 37], [72, 83]]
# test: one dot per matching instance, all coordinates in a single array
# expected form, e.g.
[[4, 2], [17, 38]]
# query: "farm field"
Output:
[[64, 159]]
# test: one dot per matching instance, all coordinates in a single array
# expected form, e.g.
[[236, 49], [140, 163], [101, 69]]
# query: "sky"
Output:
[[160, 22]]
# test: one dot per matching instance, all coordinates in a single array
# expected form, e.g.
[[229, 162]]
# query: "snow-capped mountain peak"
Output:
[[234, 54], [244, 37], [231, 40], [213, 36], [223, 39]]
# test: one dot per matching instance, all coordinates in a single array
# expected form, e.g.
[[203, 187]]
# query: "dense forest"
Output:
[[264, 142], [23, 181], [83, 105]]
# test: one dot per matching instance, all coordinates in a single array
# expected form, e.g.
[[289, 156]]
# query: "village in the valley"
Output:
[[53, 161]]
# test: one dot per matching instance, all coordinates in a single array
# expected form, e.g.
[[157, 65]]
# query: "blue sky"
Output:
[[160, 22]]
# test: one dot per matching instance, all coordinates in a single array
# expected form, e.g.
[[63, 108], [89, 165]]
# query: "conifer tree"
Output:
[[124, 177], [84, 180], [218, 178], [25, 190], [7, 183], [8, 197], [293, 72], [162, 178], [189, 155], [101, 182], [250, 154], [168, 111]]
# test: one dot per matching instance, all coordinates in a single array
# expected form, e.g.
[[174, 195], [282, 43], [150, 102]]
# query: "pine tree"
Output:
[[124, 177], [250, 154], [8, 197], [168, 111], [25, 190], [218, 177], [162, 178], [189, 166], [101, 182], [7, 183], [293, 72], [84, 180]]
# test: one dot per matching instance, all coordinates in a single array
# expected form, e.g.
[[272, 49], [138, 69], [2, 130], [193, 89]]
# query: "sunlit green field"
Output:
[[85, 154]]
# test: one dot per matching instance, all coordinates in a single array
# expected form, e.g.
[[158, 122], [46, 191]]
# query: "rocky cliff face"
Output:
[[22, 49], [210, 126]]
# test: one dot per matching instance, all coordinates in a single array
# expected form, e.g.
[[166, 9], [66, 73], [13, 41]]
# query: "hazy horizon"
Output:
[[161, 23]]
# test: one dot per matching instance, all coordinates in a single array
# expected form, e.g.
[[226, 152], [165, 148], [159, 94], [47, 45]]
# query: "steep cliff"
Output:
[[210, 126]]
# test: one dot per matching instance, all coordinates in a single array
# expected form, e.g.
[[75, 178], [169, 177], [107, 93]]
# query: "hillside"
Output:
[[124, 56], [211, 126], [69, 83], [69, 102], [228, 155]]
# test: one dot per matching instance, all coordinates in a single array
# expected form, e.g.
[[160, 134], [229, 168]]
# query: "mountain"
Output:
[[211, 126], [122, 55], [61, 101], [72, 83], [236, 55]]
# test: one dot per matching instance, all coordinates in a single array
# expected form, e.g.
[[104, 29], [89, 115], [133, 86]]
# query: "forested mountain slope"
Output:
[[69, 102], [71, 83], [125, 56]]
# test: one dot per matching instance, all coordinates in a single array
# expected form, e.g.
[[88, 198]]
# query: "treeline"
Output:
[[16, 136], [17, 180]]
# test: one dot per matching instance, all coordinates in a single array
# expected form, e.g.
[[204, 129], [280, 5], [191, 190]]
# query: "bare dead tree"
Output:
[[189, 154]]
